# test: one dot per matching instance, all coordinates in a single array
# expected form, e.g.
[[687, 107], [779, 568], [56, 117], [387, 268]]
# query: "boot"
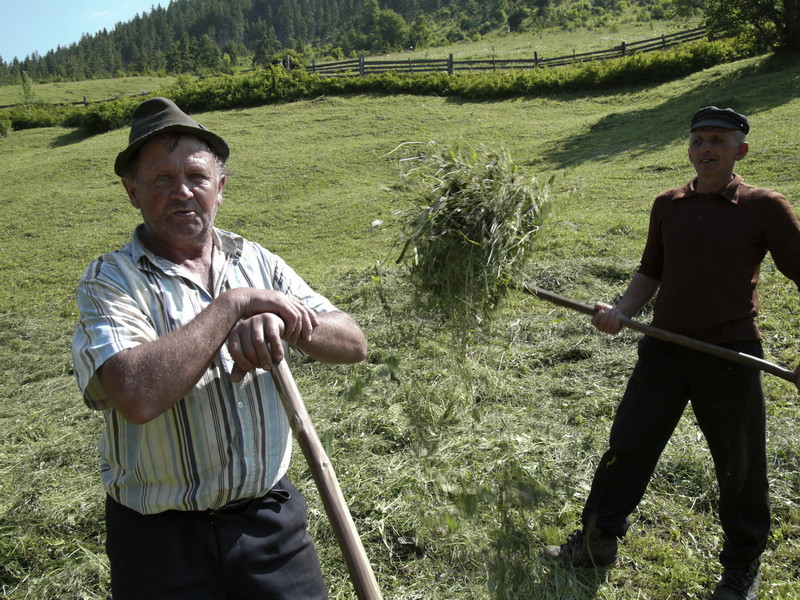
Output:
[[581, 550], [739, 584]]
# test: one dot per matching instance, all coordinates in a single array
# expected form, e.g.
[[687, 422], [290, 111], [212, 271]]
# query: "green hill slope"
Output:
[[457, 469]]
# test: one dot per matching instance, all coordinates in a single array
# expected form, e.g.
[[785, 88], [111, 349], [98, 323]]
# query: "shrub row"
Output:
[[275, 84]]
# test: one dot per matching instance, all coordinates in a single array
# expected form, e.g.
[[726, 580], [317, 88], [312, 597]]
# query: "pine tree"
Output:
[[208, 54], [3, 72]]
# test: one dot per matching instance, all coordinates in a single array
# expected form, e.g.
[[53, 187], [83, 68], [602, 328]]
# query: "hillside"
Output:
[[457, 468]]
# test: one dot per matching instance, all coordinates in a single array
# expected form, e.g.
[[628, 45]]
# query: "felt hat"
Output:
[[160, 115], [727, 118]]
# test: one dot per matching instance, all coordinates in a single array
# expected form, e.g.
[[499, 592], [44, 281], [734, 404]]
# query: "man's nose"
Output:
[[182, 188]]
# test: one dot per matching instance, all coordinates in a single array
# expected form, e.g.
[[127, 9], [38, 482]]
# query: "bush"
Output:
[[5, 125], [296, 59], [104, 116], [31, 116]]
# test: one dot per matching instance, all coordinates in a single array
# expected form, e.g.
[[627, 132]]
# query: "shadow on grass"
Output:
[[554, 583], [566, 582], [519, 569], [640, 132], [73, 137], [516, 564]]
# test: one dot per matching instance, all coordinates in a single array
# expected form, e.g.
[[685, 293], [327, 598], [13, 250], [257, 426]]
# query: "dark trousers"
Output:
[[728, 404], [256, 549]]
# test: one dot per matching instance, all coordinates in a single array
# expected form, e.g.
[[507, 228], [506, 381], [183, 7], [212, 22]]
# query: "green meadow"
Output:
[[458, 463], [551, 43], [63, 92]]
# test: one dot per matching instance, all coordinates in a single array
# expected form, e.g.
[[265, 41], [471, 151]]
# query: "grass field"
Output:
[[91, 90], [457, 467], [550, 43]]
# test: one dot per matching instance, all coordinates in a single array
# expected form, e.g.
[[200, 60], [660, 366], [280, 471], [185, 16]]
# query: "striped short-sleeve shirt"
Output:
[[224, 440]]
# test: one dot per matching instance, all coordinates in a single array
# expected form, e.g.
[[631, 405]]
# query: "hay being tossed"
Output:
[[471, 232]]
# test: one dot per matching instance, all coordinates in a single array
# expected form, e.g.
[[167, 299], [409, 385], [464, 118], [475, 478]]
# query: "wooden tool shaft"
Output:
[[361, 575], [667, 336]]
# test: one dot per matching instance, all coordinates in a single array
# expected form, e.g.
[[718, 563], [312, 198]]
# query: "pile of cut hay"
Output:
[[471, 232]]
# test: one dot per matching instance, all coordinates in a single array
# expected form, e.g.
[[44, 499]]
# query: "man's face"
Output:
[[713, 151], [177, 188]]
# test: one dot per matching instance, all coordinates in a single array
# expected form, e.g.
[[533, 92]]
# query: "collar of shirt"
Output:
[[730, 193], [229, 244]]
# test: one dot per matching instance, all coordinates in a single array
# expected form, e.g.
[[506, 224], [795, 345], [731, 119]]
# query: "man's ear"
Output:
[[130, 187], [743, 148], [222, 181]]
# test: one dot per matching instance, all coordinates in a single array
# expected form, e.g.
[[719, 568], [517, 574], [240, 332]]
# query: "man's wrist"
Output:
[[236, 302]]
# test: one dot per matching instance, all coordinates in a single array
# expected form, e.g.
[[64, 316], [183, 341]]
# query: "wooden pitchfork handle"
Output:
[[667, 336], [361, 574]]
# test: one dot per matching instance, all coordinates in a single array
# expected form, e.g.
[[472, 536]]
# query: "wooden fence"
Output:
[[364, 66]]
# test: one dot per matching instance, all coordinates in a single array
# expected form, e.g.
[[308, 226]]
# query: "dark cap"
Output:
[[727, 118], [160, 115]]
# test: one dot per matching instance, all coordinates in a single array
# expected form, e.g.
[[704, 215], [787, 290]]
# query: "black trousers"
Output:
[[255, 549], [728, 403]]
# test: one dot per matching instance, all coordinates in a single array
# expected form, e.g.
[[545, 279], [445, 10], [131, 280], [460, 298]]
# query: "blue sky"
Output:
[[41, 25]]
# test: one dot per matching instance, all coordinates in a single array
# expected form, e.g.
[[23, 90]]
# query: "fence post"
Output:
[[623, 48], [573, 56], [410, 66], [450, 65], [663, 41], [313, 66], [361, 66], [288, 63], [536, 59]]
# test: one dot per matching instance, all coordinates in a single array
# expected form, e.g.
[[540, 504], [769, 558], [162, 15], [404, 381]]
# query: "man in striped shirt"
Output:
[[176, 335], [703, 254]]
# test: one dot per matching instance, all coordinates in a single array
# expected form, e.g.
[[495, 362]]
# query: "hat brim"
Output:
[[716, 123], [217, 144]]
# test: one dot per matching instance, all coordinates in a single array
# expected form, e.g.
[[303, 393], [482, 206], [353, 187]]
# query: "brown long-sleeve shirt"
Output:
[[706, 250]]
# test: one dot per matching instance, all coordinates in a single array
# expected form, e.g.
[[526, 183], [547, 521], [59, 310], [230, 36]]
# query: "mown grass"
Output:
[[457, 467]]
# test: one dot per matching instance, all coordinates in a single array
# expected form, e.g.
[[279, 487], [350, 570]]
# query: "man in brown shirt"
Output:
[[703, 254]]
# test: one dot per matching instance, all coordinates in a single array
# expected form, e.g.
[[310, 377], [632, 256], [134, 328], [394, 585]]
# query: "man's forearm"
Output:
[[144, 381], [608, 319], [336, 339], [639, 292]]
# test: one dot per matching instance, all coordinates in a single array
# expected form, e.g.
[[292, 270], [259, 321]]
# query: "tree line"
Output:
[[220, 36]]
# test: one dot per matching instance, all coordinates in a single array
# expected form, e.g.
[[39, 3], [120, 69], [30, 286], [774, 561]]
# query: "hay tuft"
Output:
[[471, 231]]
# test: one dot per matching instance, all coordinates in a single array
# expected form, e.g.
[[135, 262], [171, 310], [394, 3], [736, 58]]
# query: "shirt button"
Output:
[[239, 404]]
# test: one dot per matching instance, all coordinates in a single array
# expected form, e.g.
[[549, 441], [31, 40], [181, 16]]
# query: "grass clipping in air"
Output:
[[472, 229]]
